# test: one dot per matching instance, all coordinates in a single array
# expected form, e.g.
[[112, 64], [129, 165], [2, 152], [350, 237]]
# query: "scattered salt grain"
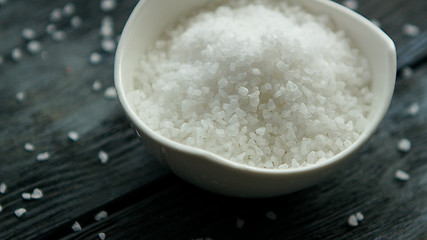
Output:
[[73, 136], [110, 93], [107, 21], [26, 196], [58, 35], [240, 223], [107, 5], [37, 194], [108, 45], [106, 31], [376, 22], [68, 9], [95, 58], [29, 147], [101, 236], [271, 215], [44, 156], [352, 4], [3, 188], [34, 47], [96, 86], [1, 208], [20, 96], [16, 54], [407, 72], [401, 175], [101, 215], [352, 221], [360, 216], [28, 33], [76, 226], [410, 30], [50, 28], [103, 157], [20, 212], [76, 21], [56, 15], [404, 145], [3, 2], [413, 109]]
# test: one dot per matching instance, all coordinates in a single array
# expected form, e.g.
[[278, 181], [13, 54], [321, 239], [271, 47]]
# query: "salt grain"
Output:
[[3, 188], [101, 215], [37, 194], [413, 109], [73, 136], [34, 47], [28, 33], [26, 196], [20, 96], [407, 72], [95, 58], [352, 4], [110, 93], [68, 9], [29, 147], [50, 28], [76, 22], [76, 227], [56, 15], [360, 216], [16, 54], [103, 157], [101, 236], [20, 212], [106, 31], [271, 215], [404, 145], [401, 175], [108, 45], [96, 86], [352, 221], [410, 30], [1, 208], [376, 22], [240, 223], [107, 5], [58, 35], [44, 156]]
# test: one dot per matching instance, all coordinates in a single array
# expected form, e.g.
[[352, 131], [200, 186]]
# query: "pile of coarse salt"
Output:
[[265, 84]]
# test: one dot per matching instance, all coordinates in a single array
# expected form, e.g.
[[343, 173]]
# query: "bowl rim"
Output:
[[210, 156]]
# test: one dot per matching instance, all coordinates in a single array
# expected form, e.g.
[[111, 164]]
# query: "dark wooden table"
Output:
[[145, 201]]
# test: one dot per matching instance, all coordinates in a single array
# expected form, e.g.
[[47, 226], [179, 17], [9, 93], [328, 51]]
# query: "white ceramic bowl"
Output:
[[220, 175]]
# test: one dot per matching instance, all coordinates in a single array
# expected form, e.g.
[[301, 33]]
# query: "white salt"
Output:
[[26, 196], [44, 156], [401, 175], [73, 136], [37, 194], [108, 45], [76, 22], [16, 54], [407, 72], [107, 5], [28, 33], [95, 58], [271, 215], [29, 147], [76, 227], [20, 96], [101, 236], [360, 216], [413, 109], [96, 85], [352, 4], [20, 212], [110, 93], [352, 221], [3, 188], [69, 9], [235, 69], [376, 22], [106, 31], [404, 145], [1, 208], [410, 30], [50, 28], [3, 2], [240, 223], [58, 35], [34, 47], [103, 157], [101, 215], [56, 15]]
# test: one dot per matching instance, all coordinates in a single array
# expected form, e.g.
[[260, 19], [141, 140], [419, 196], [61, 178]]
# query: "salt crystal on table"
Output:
[[95, 58], [401, 175], [96, 86], [407, 72], [108, 45], [110, 93], [28, 33], [352, 4], [68, 9], [20, 96], [410, 30], [29, 147], [103, 157], [76, 227], [44, 156], [37, 194], [360, 216], [56, 15], [76, 21], [101, 215], [58, 35], [26, 196], [73, 136], [404, 145], [20, 212], [240, 223], [106, 31], [34, 47], [1, 208], [413, 109], [271, 215], [50, 28], [3, 188], [107, 21], [107, 5], [101, 236], [352, 221], [16, 54]]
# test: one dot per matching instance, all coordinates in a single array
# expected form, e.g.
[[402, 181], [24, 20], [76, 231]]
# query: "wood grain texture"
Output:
[[144, 200]]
